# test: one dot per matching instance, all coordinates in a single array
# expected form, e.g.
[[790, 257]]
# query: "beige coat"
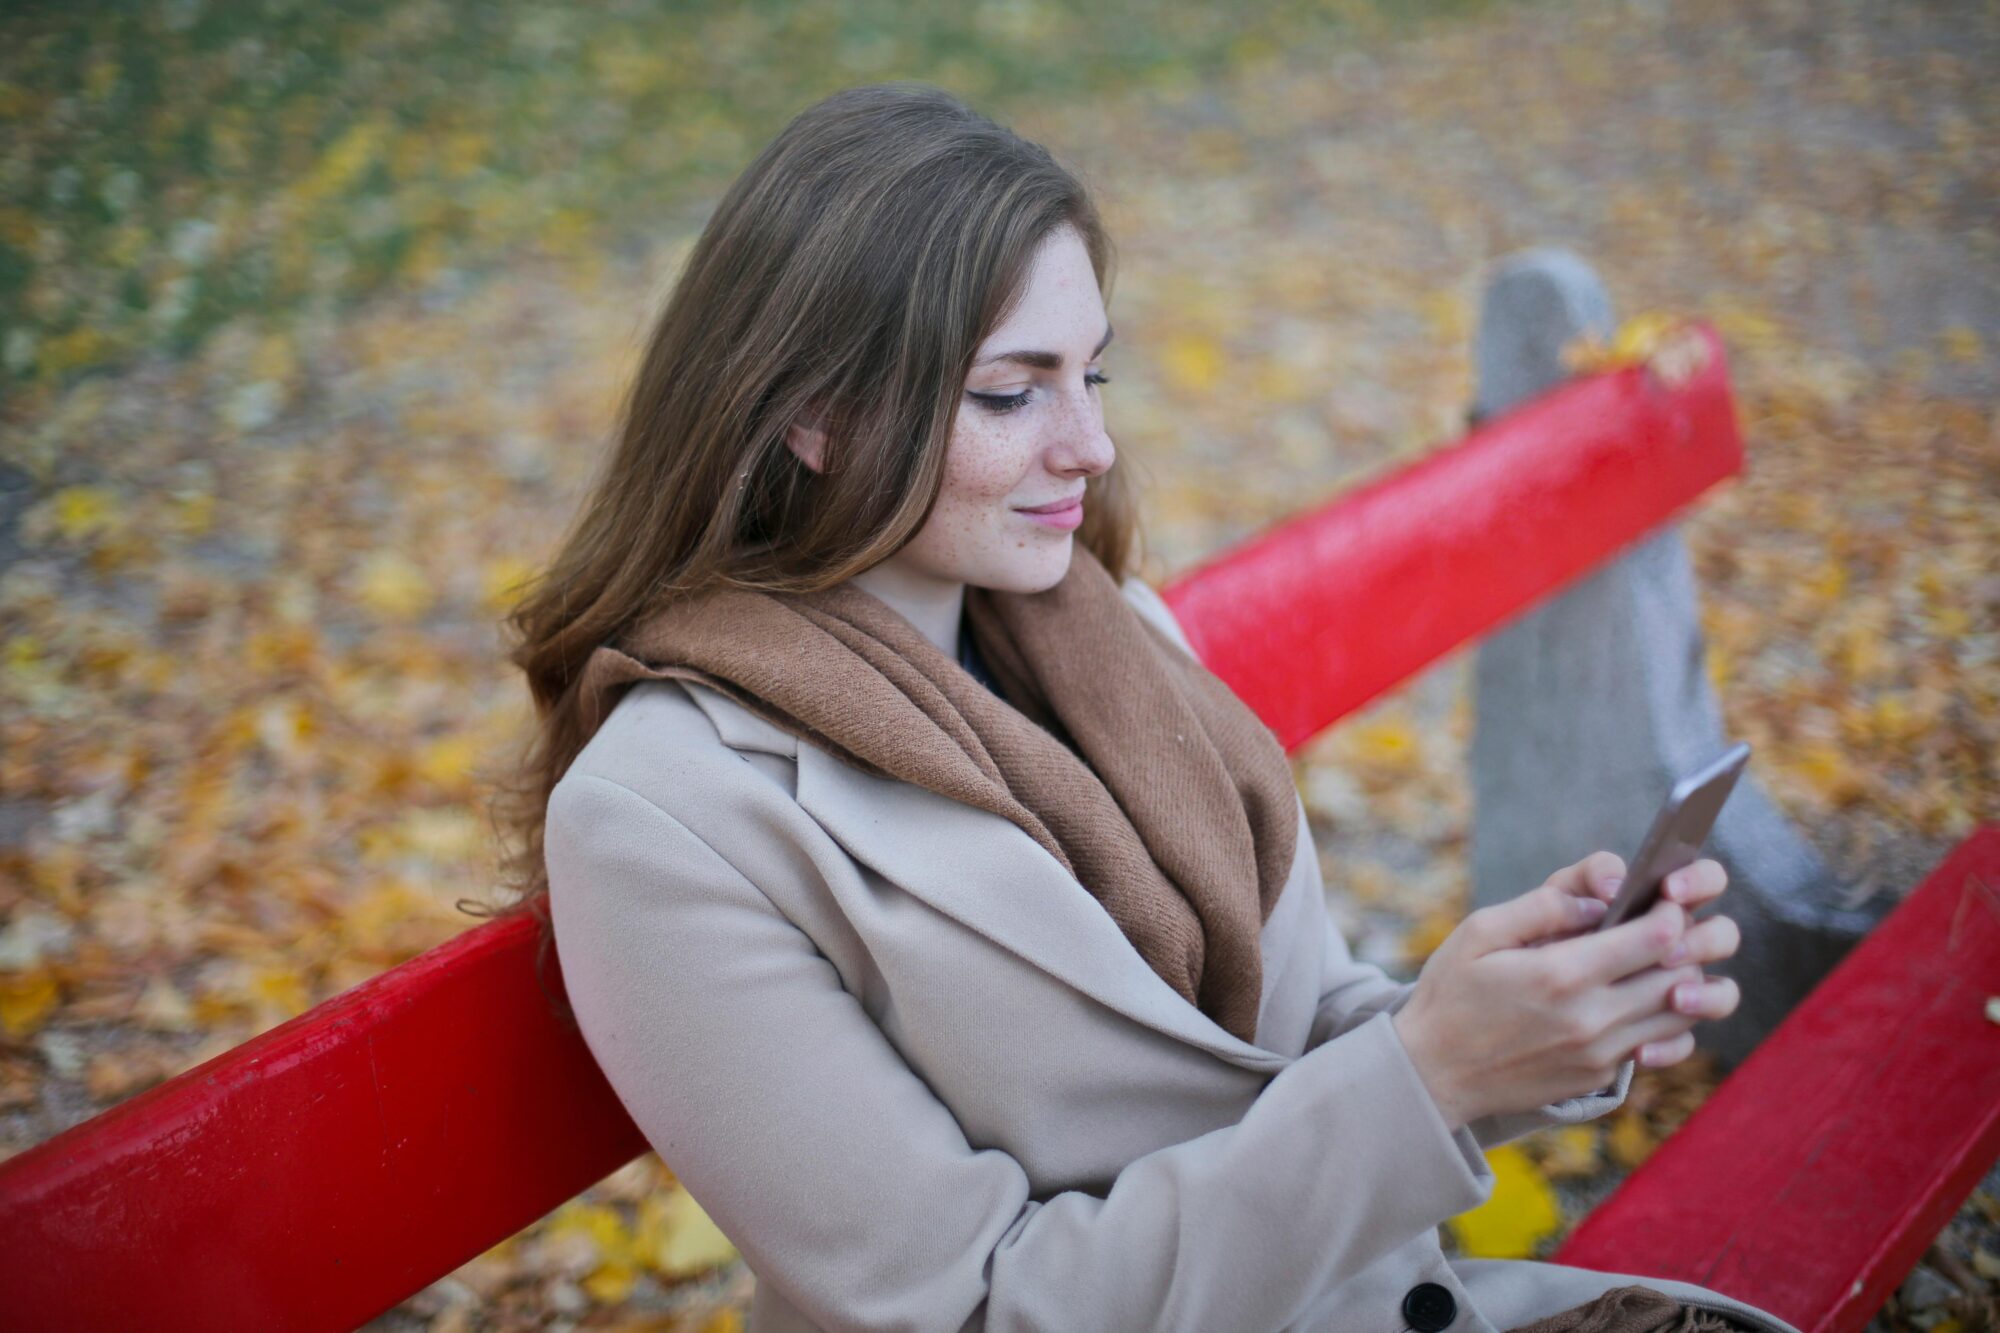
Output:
[[919, 1077]]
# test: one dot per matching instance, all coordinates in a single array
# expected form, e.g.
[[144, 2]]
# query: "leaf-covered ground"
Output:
[[249, 595]]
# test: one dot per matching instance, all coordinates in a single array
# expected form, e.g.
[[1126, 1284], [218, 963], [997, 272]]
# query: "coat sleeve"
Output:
[[1352, 992], [842, 1179]]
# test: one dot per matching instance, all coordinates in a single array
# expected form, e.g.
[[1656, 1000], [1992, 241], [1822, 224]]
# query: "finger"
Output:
[[1650, 992], [1657, 1055], [1656, 1029], [1595, 876], [1605, 956], [1707, 941], [1532, 917], [1712, 997], [1696, 883]]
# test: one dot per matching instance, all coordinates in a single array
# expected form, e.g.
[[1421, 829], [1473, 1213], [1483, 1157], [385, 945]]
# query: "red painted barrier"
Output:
[[1318, 616], [1814, 1178], [325, 1170]]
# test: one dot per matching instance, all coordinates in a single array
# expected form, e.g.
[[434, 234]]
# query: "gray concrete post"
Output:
[[1588, 707]]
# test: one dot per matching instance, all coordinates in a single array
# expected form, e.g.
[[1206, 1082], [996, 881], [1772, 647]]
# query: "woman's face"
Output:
[[1029, 431]]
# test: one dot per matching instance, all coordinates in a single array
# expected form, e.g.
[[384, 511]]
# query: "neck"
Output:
[[933, 606]]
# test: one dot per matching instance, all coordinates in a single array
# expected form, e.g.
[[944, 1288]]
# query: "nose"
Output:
[[1080, 447]]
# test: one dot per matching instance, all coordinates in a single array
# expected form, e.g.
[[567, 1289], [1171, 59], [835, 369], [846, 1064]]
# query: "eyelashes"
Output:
[[1002, 403]]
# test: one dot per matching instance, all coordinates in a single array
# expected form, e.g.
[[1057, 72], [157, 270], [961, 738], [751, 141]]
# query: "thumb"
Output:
[[1536, 915]]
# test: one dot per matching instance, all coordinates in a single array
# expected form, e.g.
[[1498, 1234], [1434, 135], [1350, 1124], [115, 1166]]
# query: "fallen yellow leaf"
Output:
[[611, 1283], [1521, 1211], [26, 1000], [1630, 1140], [1192, 361], [83, 511], [1570, 1151], [679, 1237], [393, 587]]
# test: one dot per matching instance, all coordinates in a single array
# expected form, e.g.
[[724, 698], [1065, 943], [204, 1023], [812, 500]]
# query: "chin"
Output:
[[1035, 572]]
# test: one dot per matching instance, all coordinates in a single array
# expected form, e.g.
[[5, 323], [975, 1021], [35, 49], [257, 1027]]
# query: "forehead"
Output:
[[1059, 300]]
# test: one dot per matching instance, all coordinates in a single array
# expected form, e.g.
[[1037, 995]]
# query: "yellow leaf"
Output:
[[343, 162], [684, 1241], [610, 1241], [501, 582], [279, 990], [1521, 1211], [1630, 1140], [393, 587], [68, 351], [369, 920], [1390, 743], [1962, 343], [1445, 310], [83, 511], [1720, 665], [610, 1284], [724, 1321], [1827, 582], [447, 761], [192, 514], [285, 728], [1570, 1151], [1638, 336], [1827, 769], [1429, 932], [22, 655], [1662, 341], [1192, 361], [26, 1001]]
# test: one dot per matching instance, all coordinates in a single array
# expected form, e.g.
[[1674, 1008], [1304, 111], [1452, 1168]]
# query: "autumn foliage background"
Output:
[[312, 322]]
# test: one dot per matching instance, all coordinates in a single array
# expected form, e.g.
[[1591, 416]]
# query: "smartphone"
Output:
[[1678, 832]]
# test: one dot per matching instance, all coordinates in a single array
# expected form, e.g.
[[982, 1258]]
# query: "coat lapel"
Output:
[[984, 872]]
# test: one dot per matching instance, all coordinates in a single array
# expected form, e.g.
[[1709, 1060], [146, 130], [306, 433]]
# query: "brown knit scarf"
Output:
[[1634, 1309], [1133, 765]]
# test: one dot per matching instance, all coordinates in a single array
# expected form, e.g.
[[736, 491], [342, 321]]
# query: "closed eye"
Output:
[[1001, 403]]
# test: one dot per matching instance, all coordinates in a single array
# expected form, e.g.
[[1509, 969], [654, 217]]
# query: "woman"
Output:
[[954, 936]]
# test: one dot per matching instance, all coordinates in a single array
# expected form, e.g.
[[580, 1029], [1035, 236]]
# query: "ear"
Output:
[[806, 438]]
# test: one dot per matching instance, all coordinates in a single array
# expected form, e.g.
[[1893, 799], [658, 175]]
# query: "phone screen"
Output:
[[1678, 832]]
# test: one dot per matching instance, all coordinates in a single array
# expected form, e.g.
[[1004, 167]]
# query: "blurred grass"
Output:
[[170, 167]]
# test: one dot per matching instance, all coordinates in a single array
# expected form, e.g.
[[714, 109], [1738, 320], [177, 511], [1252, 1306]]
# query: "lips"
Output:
[[1061, 515]]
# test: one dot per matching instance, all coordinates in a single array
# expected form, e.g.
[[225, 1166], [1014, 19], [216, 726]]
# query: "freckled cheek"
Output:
[[985, 466], [983, 474]]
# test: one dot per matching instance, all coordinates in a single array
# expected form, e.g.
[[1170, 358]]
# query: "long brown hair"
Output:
[[847, 277]]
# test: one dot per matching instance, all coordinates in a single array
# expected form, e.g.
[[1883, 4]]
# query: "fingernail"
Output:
[[1677, 887], [1648, 1053], [1611, 885], [1677, 954], [1687, 997], [1592, 908]]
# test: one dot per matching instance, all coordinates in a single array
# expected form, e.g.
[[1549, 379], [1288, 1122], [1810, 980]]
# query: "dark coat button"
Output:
[[1429, 1307]]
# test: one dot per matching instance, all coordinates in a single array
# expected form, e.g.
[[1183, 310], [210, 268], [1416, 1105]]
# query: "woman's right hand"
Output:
[[1525, 1003]]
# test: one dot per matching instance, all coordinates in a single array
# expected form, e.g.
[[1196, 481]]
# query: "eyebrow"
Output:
[[1042, 360]]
